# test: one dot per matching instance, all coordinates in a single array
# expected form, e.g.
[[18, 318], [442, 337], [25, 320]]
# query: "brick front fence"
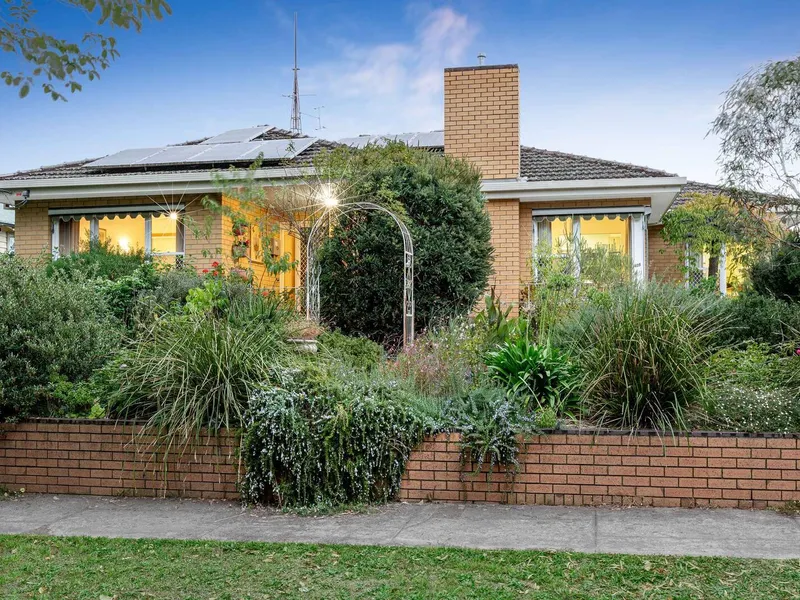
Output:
[[618, 469], [104, 458]]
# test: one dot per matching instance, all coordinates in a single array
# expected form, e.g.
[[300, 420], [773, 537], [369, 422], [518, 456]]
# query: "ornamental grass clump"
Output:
[[189, 371], [318, 438], [643, 352]]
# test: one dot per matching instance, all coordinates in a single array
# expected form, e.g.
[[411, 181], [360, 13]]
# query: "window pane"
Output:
[[610, 234], [165, 233], [127, 233], [561, 232]]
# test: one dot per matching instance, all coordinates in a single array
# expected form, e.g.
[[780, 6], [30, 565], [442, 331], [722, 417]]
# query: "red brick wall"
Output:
[[103, 458], [644, 470]]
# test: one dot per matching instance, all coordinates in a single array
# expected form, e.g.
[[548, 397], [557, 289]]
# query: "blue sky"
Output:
[[634, 81]]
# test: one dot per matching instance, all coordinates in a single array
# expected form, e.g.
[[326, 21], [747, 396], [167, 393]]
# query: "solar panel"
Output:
[[175, 154], [281, 149], [272, 150], [355, 142], [424, 139], [428, 139], [238, 135], [125, 157]]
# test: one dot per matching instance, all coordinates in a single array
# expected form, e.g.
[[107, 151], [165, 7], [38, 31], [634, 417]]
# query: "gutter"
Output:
[[661, 191], [150, 184]]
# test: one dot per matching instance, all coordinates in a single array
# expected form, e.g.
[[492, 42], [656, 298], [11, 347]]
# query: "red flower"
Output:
[[205, 270], [215, 264], [265, 293]]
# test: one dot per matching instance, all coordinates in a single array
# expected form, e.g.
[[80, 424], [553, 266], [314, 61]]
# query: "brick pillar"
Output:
[[504, 215]]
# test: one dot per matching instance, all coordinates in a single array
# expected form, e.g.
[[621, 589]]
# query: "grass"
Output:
[[103, 569]]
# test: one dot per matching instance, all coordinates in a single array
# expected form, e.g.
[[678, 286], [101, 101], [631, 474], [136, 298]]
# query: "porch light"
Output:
[[173, 215], [124, 244], [327, 195]]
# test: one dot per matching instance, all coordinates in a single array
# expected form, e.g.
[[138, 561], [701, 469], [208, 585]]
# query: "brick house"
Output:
[[143, 197]]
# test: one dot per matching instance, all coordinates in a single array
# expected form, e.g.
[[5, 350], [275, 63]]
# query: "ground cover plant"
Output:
[[318, 437], [92, 568]]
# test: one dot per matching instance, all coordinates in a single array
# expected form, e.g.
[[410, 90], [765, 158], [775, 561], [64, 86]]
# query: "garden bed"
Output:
[[100, 457]]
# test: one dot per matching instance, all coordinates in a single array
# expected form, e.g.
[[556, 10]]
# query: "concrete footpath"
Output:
[[740, 533]]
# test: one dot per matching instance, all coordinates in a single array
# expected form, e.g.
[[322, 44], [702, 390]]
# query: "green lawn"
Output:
[[101, 569]]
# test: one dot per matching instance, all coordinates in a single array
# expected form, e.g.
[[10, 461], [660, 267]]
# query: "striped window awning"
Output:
[[111, 212], [599, 213]]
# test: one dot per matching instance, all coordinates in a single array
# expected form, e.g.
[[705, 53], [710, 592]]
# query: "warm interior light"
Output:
[[327, 195], [124, 244], [173, 216]]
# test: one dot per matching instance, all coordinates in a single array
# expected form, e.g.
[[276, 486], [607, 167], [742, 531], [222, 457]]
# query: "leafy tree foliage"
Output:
[[707, 221], [778, 275], [52, 60], [759, 130], [439, 198]]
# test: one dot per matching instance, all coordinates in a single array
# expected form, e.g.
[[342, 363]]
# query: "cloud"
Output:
[[401, 81]]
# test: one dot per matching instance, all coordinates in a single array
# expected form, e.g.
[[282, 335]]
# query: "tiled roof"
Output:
[[79, 168], [695, 187], [535, 164], [548, 165]]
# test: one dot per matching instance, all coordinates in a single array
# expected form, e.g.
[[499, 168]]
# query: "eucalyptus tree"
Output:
[[56, 63]]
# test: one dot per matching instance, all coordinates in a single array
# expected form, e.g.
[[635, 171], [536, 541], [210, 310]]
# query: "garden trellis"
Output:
[[313, 269]]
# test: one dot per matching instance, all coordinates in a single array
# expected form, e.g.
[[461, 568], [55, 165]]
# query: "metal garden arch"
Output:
[[313, 269]]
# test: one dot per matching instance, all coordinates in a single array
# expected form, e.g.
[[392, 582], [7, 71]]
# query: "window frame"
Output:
[[95, 214], [637, 244]]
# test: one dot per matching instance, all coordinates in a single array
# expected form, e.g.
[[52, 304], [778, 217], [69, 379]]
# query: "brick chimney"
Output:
[[481, 117]]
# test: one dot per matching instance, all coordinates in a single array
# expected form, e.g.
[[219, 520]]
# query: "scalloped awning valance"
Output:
[[599, 213], [111, 212]]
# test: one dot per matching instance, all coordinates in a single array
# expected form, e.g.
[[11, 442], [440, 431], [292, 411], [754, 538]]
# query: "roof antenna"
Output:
[[296, 123], [481, 58]]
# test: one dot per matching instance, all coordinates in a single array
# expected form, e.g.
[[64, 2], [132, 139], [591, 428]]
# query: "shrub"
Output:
[[323, 440], [356, 352], [51, 328], [643, 354], [756, 365], [778, 275], [191, 371], [361, 262], [170, 292], [121, 294], [535, 374], [99, 260], [758, 318]]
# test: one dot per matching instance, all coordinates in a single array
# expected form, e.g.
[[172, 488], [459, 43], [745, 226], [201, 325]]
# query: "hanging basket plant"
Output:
[[239, 227], [240, 249]]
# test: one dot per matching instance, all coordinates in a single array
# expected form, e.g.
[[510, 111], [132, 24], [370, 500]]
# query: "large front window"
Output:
[[584, 240], [125, 229]]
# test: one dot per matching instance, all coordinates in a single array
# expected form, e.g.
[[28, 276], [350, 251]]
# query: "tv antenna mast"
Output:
[[296, 122], [317, 117]]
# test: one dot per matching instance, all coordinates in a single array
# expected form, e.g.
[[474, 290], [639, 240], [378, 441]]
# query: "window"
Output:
[[566, 233], [128, 229]]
